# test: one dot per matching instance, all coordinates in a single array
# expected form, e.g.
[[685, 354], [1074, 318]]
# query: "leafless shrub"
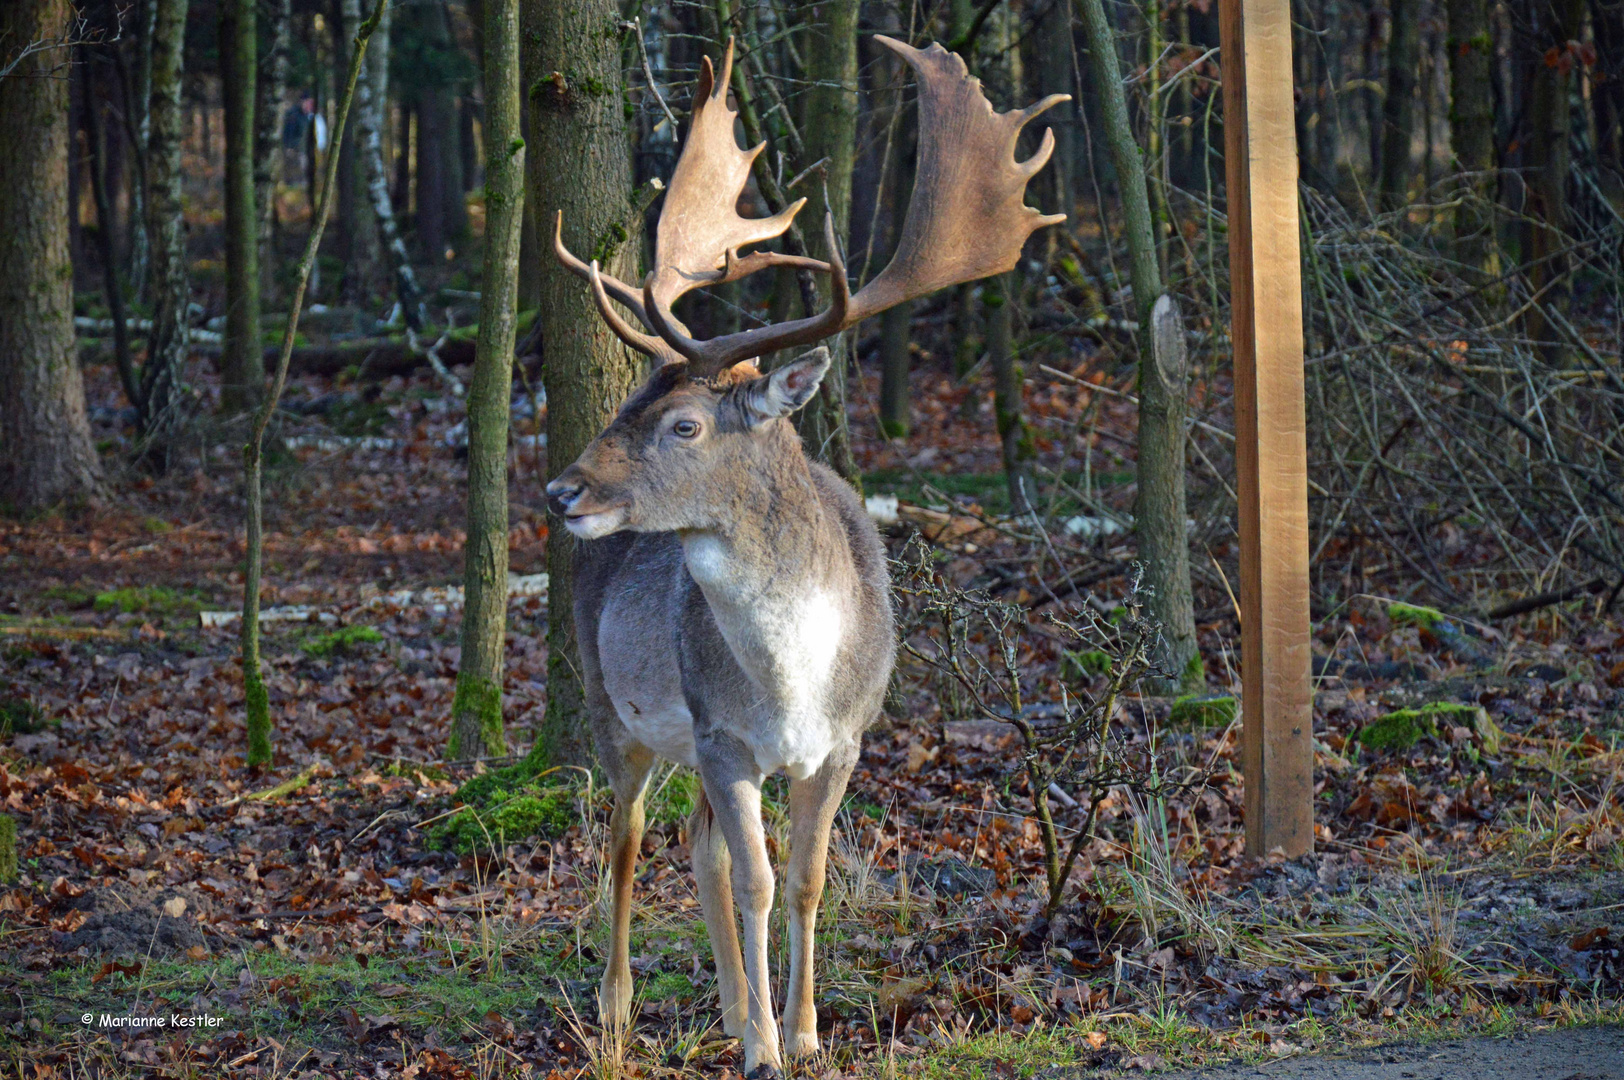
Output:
[[982, 646]]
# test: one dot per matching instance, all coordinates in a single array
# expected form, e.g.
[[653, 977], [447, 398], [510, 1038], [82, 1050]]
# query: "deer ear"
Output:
[[783, 391]]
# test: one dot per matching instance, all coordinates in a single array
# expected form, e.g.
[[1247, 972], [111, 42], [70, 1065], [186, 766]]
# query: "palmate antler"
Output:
[[967, 219]]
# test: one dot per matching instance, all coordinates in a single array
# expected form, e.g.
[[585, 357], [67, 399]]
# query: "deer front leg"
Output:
[[625, 840], [733, 788], [812, 806], [712, 868]]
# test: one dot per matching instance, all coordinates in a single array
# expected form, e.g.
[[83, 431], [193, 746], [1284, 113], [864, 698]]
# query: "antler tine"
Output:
[[701, 231], [968, 217], [621, 291], [649, 346], [709, 357]]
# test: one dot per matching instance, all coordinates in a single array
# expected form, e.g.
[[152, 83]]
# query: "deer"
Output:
[[732, 601]]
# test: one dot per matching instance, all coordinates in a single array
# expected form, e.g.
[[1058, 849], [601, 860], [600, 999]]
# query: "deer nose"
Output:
[[563, 492]]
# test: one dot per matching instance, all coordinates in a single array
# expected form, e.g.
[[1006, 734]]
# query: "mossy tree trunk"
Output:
[[242, 367], [476, 711], [1163, 385], [46, 455], [578, 132], [160, 410]]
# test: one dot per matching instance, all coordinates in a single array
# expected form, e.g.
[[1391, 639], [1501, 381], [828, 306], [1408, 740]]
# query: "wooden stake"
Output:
[[1270, 427]]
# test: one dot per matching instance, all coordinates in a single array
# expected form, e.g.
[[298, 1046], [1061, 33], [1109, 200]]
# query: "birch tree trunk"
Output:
[[46, 456], [476, 711], [242, 367], [1163, 380], [159, 412], [271, 90], [578, 131], [371, 98]]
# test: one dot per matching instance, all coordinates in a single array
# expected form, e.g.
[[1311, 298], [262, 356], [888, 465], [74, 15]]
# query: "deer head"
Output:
[[706, 412]]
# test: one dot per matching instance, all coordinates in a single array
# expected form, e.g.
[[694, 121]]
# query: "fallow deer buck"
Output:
[[732, 604]]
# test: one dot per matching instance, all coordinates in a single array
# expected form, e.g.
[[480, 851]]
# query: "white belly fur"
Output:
[[788, 650]]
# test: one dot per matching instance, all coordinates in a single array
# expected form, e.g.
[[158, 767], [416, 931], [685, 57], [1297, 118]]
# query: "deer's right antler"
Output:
[[967, 218]]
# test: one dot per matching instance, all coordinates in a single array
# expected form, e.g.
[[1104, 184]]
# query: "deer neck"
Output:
[[776, 572]]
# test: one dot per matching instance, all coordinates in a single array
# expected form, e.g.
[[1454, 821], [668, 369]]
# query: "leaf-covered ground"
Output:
[[1470, 877]]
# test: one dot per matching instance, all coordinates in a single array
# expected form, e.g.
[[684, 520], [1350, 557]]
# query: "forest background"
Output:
[[361, 822]]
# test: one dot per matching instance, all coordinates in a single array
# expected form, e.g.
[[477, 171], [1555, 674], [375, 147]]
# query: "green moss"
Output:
[[145, 599], [1414, 615], [482, 699], [258, 706], [1197, 711], [508, 817], [356, 417], [1403, 728], [1084, 665], [8, 849], [342, 640], [20, 716], [894, 429]]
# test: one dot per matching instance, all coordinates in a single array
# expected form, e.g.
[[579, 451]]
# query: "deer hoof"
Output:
[[800, 1044], [615, 1001]]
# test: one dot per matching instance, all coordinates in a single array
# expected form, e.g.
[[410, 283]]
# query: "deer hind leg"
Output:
[[712, 868], [628, 776], [733, 788], [812, 806]]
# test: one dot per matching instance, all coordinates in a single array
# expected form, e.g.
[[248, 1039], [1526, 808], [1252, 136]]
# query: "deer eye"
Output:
[[685, 429]]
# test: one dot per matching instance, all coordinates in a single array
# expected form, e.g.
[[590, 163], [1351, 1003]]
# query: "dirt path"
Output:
[[1595, 1053]]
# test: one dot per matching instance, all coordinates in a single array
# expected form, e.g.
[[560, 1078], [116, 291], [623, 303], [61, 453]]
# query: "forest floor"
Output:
[[1471, 882]]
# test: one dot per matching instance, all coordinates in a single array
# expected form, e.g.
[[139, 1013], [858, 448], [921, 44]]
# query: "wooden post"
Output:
[[1270, 427]]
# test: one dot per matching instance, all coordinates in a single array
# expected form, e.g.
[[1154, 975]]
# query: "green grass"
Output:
[[146, 600], [308, 1005], [343, 640]]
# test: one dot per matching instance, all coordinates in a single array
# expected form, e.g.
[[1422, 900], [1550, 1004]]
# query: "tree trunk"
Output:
[[145, 24], [46, 456], [895, 412], [102, 189], [256, 699], [1471, 128], [363, 271], [1014, 439], [371, 101], [1163, 390], [159, 412], [578, 130], [1398, 110], [476, 712], [432, 118], [268, 109], [829, 128], [242, 372], [1549, 153]]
